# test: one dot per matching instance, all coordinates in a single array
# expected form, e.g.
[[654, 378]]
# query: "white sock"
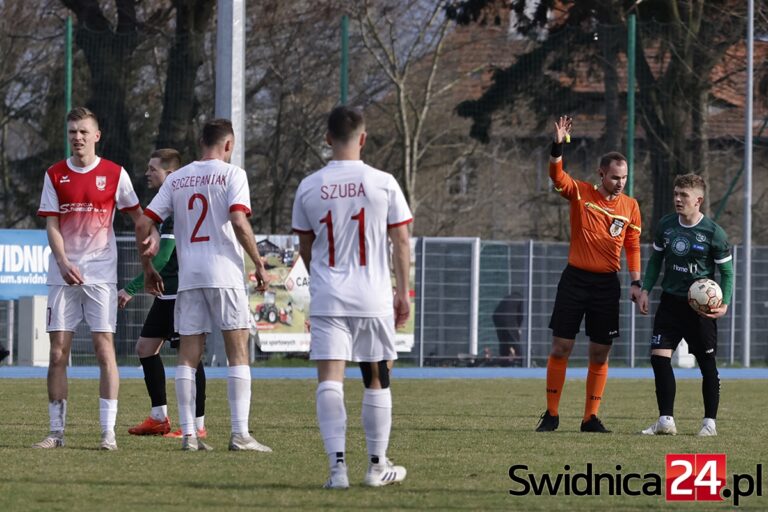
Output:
[[200, 422], [239, 395], [107, 414], [709, 422], [666, 419], [159, 413], [186, 393], [57, 413], [377, 421], [332, 418]]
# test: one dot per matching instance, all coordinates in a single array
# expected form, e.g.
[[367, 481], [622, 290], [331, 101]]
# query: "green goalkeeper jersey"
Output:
[[690, 252]]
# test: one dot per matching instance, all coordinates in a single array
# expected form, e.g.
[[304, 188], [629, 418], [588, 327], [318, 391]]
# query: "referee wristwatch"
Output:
[[637, 282]]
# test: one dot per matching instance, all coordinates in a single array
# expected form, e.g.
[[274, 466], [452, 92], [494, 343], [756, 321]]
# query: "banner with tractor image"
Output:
[[280, 315]]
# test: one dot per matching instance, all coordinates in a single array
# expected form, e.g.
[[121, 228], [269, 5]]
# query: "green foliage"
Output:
[[457, 439]]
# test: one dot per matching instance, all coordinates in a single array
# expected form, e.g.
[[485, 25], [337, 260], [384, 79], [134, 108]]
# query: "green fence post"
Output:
[[631, 40], [67, 81], [344, 59]]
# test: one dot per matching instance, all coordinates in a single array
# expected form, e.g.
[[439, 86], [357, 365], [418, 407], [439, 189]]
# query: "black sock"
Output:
[[665, 384], [710, 385], [154, 378], [200, 385]]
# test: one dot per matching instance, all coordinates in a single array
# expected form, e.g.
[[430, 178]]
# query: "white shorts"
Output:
[[200, 309], [358, 339], [69, 305]]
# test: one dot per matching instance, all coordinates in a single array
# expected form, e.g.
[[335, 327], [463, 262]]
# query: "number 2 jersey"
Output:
[[200, 197], [349, 206]]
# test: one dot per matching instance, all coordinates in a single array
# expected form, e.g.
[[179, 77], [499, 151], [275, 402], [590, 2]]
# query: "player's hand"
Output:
[[563, 128], [642, 302], [717, 312], [402, 310], [153, 282], [263, 278], [70, 273], [634, 293], [151, 244], [123, 298]]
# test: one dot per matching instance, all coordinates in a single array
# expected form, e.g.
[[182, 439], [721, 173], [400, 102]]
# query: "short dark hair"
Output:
[[215, 131], [613, 156], [170, 159], [80, 113], [691, 180], [344, 122]]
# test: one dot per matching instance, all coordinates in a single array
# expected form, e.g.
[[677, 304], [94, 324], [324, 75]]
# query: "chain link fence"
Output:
[[467, 290]]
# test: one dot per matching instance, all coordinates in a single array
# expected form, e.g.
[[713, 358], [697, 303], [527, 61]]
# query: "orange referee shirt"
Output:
[[599, 227]]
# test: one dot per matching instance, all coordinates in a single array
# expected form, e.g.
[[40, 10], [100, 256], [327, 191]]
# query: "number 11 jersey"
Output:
[[200, 196], [349, 206]]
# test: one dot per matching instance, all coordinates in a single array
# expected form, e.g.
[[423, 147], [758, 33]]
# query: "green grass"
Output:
[[457, 439]]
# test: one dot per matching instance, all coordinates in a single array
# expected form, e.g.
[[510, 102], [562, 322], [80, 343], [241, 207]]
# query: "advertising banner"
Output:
[[23, 263], [281, 314]]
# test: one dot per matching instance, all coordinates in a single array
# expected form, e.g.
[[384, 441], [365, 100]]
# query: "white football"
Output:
[[704, 295]]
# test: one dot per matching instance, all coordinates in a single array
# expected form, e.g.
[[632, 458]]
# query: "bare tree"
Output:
[[30, 64], [186, 55], [407, 42]]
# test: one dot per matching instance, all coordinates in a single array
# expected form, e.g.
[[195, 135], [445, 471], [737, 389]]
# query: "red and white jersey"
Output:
[[349, 206], [84, 199], [200, 196]]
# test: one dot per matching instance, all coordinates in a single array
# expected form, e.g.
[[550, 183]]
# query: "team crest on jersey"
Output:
[[101, 182], [700, 237], [616, 226], [681, 246]]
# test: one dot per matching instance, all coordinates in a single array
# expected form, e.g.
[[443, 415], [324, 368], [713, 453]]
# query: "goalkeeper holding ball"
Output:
[[689, 246]]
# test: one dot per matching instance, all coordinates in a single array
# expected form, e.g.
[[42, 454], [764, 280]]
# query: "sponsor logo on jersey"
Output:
[[679, 268], [616, 227], [101, 182], [681, 246], [698, 247], [64, 179]]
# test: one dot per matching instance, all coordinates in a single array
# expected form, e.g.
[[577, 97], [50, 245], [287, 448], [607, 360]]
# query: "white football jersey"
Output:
[[349, 206], [200, 196], [84, 200]]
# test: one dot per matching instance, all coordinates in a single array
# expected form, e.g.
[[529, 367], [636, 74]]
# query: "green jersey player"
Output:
[[689, 246]]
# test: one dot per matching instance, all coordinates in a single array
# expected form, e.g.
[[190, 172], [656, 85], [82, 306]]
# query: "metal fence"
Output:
[[459, 283]]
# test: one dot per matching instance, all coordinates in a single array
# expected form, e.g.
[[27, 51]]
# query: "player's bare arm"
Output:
[[305, 248], [642, 302], [401, 256], [123, 298], [634, 290], [245, 236], [68, 270], [146, 234]]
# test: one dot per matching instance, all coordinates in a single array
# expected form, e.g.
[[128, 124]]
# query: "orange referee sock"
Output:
[[556, 367], [596, 379]]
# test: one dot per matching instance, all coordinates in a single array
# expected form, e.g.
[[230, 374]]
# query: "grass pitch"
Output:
[[456, 438]]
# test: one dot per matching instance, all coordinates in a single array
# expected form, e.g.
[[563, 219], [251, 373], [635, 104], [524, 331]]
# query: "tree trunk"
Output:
[[107, 52], [610, 53], [700, 143], [184, 59]]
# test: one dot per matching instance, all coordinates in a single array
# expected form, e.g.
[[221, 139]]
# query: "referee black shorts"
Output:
[[676, 320], [159, 322], [594, 296]]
